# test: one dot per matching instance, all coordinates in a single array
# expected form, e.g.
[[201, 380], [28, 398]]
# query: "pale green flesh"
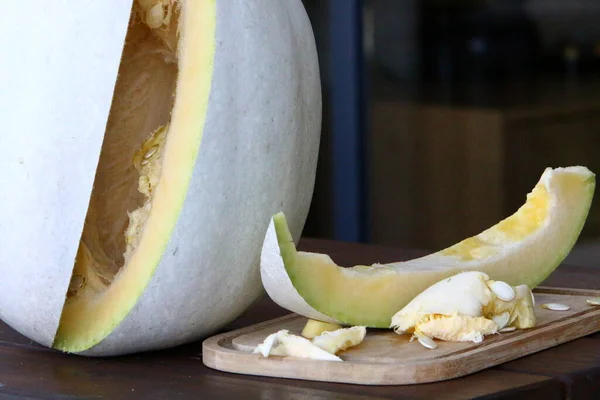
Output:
[[370, 305], [369, 296]]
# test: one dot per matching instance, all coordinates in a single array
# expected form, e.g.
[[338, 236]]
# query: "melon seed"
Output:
[[502, 319], [502, 290], [594, 301], [508, 329], [427, 342], [556, 306], [151, 152], [155, 16]]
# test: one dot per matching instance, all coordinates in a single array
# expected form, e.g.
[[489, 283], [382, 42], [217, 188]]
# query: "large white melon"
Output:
[[142, 160]]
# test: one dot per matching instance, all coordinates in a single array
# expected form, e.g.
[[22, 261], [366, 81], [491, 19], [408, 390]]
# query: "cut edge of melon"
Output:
[[279, 248], [313, 276], [95, 309]]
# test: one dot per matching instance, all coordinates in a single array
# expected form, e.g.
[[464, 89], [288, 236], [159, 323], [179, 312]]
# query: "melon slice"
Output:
[[147, 144], [521, 249]]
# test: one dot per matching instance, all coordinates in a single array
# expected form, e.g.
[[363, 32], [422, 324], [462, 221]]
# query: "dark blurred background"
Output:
[[440, 116]]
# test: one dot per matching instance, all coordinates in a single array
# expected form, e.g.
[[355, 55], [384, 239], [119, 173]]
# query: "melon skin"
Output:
[[53, 120], [258, 154]]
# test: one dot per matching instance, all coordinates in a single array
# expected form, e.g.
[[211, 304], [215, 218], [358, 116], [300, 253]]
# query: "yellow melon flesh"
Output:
[[151, 141], [466, 307], [314, 328], [522, 249]]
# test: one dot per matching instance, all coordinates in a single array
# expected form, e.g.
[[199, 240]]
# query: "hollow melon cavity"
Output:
[[521, 249], [109, 271]]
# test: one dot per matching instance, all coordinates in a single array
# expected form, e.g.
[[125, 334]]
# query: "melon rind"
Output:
[[59, 68], [279, 286], [528, 261]]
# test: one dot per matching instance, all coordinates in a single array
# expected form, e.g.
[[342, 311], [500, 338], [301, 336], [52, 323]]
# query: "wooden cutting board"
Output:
[[386, 358]]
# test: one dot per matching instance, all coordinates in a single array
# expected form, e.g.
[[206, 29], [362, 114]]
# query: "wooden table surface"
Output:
[[28, 371]]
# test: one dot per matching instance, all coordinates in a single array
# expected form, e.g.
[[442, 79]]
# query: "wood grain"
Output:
[[444, 169], [29, 371], [535, 142], [393, 151], [420, 156], [481, 385], [489, 384], [385, 358], [32, 372], [45, 374], [575, 364]]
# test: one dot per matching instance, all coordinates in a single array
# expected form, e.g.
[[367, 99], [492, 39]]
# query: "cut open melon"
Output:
[[521, 249], [204, 120], [116, 259]]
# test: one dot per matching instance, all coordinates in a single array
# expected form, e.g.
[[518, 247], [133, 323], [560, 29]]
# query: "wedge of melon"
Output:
[[521, 249]]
